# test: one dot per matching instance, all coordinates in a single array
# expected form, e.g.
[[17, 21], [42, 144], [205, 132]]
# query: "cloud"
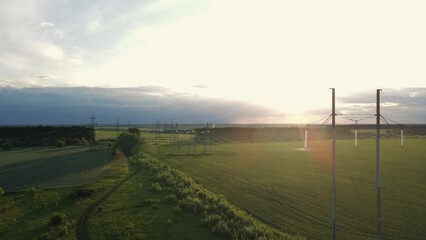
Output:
[[200, 86], [44, 76], [139, 105], [46, 24], [39, 36]]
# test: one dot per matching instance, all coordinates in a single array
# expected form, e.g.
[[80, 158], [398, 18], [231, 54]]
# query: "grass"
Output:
[[51, 167], [135, 211], [290, 188], [162, 203], [130, 213], [28, 216]]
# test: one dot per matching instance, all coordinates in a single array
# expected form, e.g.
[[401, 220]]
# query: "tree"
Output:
[[134, 131], [60, 144], [1, 192], [6, 146], [129, 143]]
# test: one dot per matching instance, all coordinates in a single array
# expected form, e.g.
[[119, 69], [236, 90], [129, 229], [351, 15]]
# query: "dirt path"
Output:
[[82, 229]]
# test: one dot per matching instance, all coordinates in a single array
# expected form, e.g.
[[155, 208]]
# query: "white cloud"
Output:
[[413, 94], [94, 25], [46, 25]]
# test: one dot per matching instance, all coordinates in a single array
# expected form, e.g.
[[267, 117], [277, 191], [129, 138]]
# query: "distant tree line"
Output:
[[46, 135]]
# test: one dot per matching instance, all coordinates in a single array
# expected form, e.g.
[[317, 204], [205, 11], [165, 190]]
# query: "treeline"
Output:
[[45, 135]]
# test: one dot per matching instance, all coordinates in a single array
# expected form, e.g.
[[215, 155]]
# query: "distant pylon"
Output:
[[92, 142], [118, 126], [157, 131]]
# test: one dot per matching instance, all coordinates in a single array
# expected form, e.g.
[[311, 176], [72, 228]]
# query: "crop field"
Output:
[[289, 187], [28, 216], [50, 167]]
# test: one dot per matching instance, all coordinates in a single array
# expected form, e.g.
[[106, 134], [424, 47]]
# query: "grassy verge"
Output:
[[141, 210]]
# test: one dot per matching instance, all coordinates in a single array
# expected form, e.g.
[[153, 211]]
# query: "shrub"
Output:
[[156, 187], [100, 208], [170, 198], [177, 210], [192, 204], [83, 141], [154, 202], [134, 131], [7, 146], [221, 228], [45, 236], [64, 231], [60, 144], [82, 192], [129, 143], [32, 192], [57, 219]]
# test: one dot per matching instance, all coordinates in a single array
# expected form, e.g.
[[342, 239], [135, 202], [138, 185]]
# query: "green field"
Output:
[[290, 188], [148, 136], [26, 216], [51, 167], [125, 214]]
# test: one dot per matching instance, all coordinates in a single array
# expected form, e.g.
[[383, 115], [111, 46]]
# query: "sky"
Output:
[[229, 61]]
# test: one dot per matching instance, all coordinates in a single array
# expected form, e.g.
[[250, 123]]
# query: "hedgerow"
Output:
[[217, 213]]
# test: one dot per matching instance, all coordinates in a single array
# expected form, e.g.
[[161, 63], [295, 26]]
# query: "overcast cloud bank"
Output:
[[137, 105]]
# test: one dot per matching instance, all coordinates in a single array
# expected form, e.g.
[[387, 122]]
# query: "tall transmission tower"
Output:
[[177, 138], [378, 117], [157, 131], [333, 124], [118, 126], [207, 146], [192, 145], [92, 142]]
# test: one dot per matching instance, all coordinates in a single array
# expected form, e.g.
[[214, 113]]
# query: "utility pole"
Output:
[[333, 125], [379, 217], [306, 139], [157, 131], [173, 136], [177, 138], [207, 148], [356, 133]]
